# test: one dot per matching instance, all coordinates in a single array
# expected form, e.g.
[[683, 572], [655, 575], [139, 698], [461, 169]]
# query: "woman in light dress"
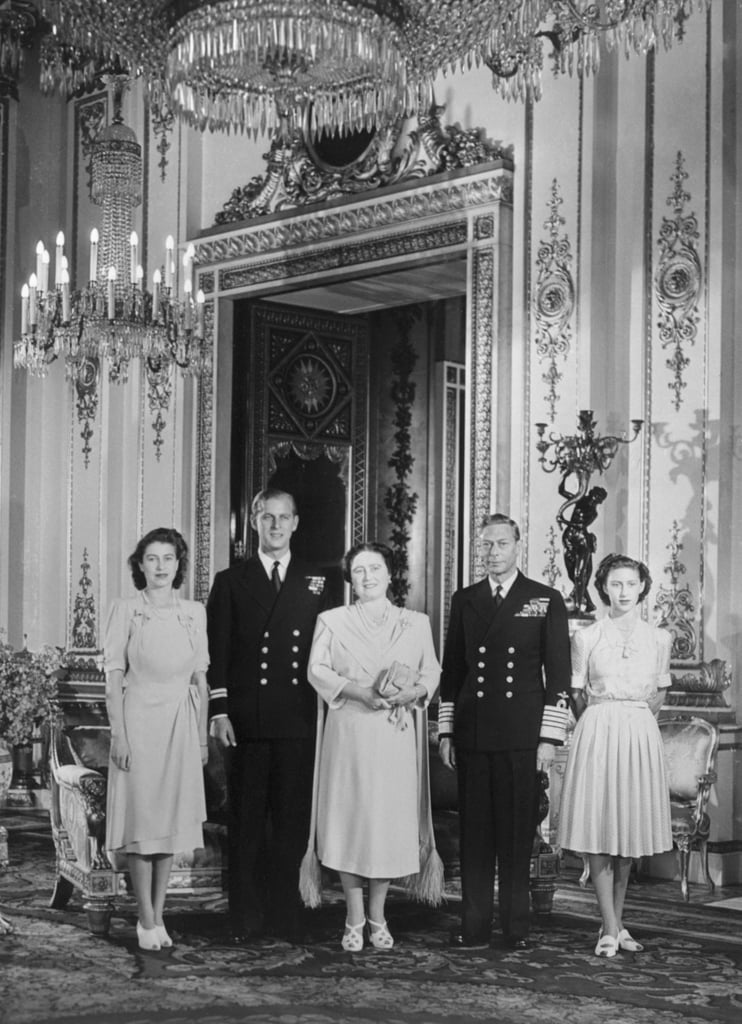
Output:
[[156, 657], [374, 665], [615, 800]]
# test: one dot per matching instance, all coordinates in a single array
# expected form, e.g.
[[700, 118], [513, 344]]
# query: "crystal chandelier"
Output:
[[262, 66], [113, 318]]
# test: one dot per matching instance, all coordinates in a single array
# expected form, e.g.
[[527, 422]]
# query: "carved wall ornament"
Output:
[[297, 175], [552, 572], [162, 120], [678, 282], [400, 501], [159, 378], [481, 395], [674, 603], [84, 633], [87, 397], [554, 300], [204, 446]]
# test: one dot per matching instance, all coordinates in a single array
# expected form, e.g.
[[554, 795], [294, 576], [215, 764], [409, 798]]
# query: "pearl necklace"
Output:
[[160, 611], [369, 620]]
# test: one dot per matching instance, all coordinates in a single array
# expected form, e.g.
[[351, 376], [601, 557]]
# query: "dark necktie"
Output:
[[498, 596], [276, 577]]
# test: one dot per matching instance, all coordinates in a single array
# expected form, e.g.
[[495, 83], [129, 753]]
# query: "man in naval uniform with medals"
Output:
[[261, 615], [504, 704]]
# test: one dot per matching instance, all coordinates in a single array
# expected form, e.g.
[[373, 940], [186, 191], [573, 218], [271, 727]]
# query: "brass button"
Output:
[[511, 664], [511, 650], [480, 693], [480, 665], [482, 650], [509, 694], [263, 682], [508, 679], [264, 665]]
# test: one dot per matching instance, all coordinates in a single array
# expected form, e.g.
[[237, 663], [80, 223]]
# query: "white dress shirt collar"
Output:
[[268, 560]]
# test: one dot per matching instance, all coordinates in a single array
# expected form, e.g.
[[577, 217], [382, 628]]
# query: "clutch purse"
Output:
[[396, 678]]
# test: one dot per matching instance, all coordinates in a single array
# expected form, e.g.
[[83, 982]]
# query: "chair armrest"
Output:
[[73, 774]]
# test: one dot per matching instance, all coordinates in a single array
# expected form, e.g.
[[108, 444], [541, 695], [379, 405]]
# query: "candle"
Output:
[[133, 256], [139, 275], [169, 246], [94, 255], [156, 281], [65, 297], [40, 250], [187, 289], [111, 293], [32, 283], [58, 261], [200, 300], [187, 272], [44, 276], [24, 310]]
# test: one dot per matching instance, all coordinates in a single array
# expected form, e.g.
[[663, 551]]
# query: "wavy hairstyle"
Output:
[[161, 535], [615, 561], [367, 545]]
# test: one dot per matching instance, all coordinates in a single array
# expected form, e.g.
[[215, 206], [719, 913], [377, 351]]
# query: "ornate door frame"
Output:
[[465, 213]]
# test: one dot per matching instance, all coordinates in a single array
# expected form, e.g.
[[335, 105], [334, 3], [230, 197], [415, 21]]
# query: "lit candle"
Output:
[[65, 297], [111, 293], [133, 256], [156, 282], [32, 283], [94, 255], [40, 250], [200, 300], [44, 276], [187, 272], [24, 310], [139, 275], [58, 261], [187, 289], [169, 247]]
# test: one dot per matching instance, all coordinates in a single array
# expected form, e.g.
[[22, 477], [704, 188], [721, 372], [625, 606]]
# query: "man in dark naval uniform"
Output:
[[504, 704], [261, 616]]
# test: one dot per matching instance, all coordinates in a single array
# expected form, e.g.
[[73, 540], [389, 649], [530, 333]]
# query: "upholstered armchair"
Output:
[[79, 749], [691, 744]]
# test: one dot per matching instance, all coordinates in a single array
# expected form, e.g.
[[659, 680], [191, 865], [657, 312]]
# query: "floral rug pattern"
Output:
[[53, 970]]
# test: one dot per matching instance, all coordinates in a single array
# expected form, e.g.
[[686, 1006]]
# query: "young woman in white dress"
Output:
[[615, 800]]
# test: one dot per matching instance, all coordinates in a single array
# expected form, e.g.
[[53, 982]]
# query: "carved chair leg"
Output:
[[703, 849], [99, 913], [63, 890]]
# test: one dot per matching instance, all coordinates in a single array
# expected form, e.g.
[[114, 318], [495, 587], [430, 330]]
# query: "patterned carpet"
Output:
[[53, 970]]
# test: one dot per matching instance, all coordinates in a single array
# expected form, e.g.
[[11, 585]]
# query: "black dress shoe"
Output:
[[514, 943], [457, 941]]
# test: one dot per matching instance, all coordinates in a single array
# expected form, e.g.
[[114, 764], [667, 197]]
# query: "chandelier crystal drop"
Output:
[[113, 318], [264, 66]]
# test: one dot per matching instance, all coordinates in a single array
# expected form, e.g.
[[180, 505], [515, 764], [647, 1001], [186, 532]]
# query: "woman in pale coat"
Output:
[[375, 667]]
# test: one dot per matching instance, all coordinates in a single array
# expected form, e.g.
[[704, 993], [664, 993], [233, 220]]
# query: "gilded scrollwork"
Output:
[[554, 300], [296, 176], [674, 603], [86, 379], [678, 282], [84, 618], [552, 572], [159, 375]]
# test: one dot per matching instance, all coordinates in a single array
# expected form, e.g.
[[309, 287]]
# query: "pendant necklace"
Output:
[[625, 638]]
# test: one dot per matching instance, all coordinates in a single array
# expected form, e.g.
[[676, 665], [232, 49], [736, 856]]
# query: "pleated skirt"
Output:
[[615, 798]]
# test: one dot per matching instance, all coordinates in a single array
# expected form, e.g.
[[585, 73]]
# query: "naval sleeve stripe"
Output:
[[217, 692], [445, 717]]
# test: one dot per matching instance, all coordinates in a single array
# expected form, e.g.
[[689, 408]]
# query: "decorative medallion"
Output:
[[554, 300], [310, 385], [674, 603], [84, 618], [678, 281], [87, 375]]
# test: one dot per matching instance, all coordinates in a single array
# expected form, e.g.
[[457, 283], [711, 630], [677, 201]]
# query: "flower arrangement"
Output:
[[28, 690]]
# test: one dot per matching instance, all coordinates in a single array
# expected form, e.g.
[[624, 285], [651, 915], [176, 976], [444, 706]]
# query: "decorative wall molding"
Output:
[[481, 384], [87, 399], [203, 463], [554, 299], [678, 282], [159, 378], [674, 603], [376, 213], [84, 632], [553, 552]]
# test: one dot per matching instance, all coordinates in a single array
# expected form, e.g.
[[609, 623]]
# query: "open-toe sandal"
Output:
[[352, 941], [379, 935], [627, 941], [607, 946]]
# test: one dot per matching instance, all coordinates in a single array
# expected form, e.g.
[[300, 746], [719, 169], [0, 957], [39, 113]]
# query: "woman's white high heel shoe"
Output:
[[147, 937], [627, 942], [352, 941], [162, 936]]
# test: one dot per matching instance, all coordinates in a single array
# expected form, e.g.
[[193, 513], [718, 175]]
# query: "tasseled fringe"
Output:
[[427, 886], [310, 879]]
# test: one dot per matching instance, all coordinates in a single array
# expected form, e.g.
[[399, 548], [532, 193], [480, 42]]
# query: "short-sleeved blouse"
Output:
[[609, 666]]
